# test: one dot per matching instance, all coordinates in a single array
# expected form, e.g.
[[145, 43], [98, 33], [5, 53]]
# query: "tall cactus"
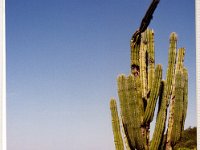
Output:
[[138, 94]]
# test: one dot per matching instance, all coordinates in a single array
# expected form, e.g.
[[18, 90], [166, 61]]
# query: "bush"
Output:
[[188, 140]]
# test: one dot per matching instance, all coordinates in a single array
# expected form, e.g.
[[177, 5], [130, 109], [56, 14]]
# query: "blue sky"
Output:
[[63, 58]]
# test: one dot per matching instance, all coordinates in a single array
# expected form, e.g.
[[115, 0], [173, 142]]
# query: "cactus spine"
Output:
[[138, 94]]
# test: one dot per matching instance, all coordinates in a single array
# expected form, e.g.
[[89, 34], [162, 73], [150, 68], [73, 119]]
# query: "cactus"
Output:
[[138, 94], [116, 125], [161, 118]]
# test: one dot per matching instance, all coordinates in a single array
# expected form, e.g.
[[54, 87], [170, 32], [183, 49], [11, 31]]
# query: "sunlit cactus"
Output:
[[116, 125], [138, 95]]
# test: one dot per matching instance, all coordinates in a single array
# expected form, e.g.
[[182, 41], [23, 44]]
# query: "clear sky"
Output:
[[63, 58]]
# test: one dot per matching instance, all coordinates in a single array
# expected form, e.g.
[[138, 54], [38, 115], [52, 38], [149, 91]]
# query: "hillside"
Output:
[[188, 140]]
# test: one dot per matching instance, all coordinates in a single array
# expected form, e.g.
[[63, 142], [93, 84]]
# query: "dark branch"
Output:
[[145, 21], [148, 16]]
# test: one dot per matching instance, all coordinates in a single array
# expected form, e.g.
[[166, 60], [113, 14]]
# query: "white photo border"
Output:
[[2, 77], [3, 73]]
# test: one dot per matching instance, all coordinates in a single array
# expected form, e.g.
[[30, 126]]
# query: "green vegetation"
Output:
[[188, 140], [138, 95]]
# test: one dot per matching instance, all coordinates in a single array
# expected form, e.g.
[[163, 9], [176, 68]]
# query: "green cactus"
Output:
[[150, 56], [176, 107], [151, 104], [161, 118], [116, 125], [185, 96], [138, 94], [171, 64]]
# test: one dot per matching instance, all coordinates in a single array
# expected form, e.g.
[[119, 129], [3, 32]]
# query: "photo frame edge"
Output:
[[2, 77]]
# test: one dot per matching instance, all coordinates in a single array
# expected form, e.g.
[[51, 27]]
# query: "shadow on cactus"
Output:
[[139, 92]]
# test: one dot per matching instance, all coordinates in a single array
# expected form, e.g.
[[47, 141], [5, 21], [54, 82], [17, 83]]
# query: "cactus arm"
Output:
[[135, 110], [121, 81], [178, 108], [124, 105], [161, 119], [149, 112], [171, 64], [151, 58], [116, 126], [185, 96], [147, 70], [143, 66]]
